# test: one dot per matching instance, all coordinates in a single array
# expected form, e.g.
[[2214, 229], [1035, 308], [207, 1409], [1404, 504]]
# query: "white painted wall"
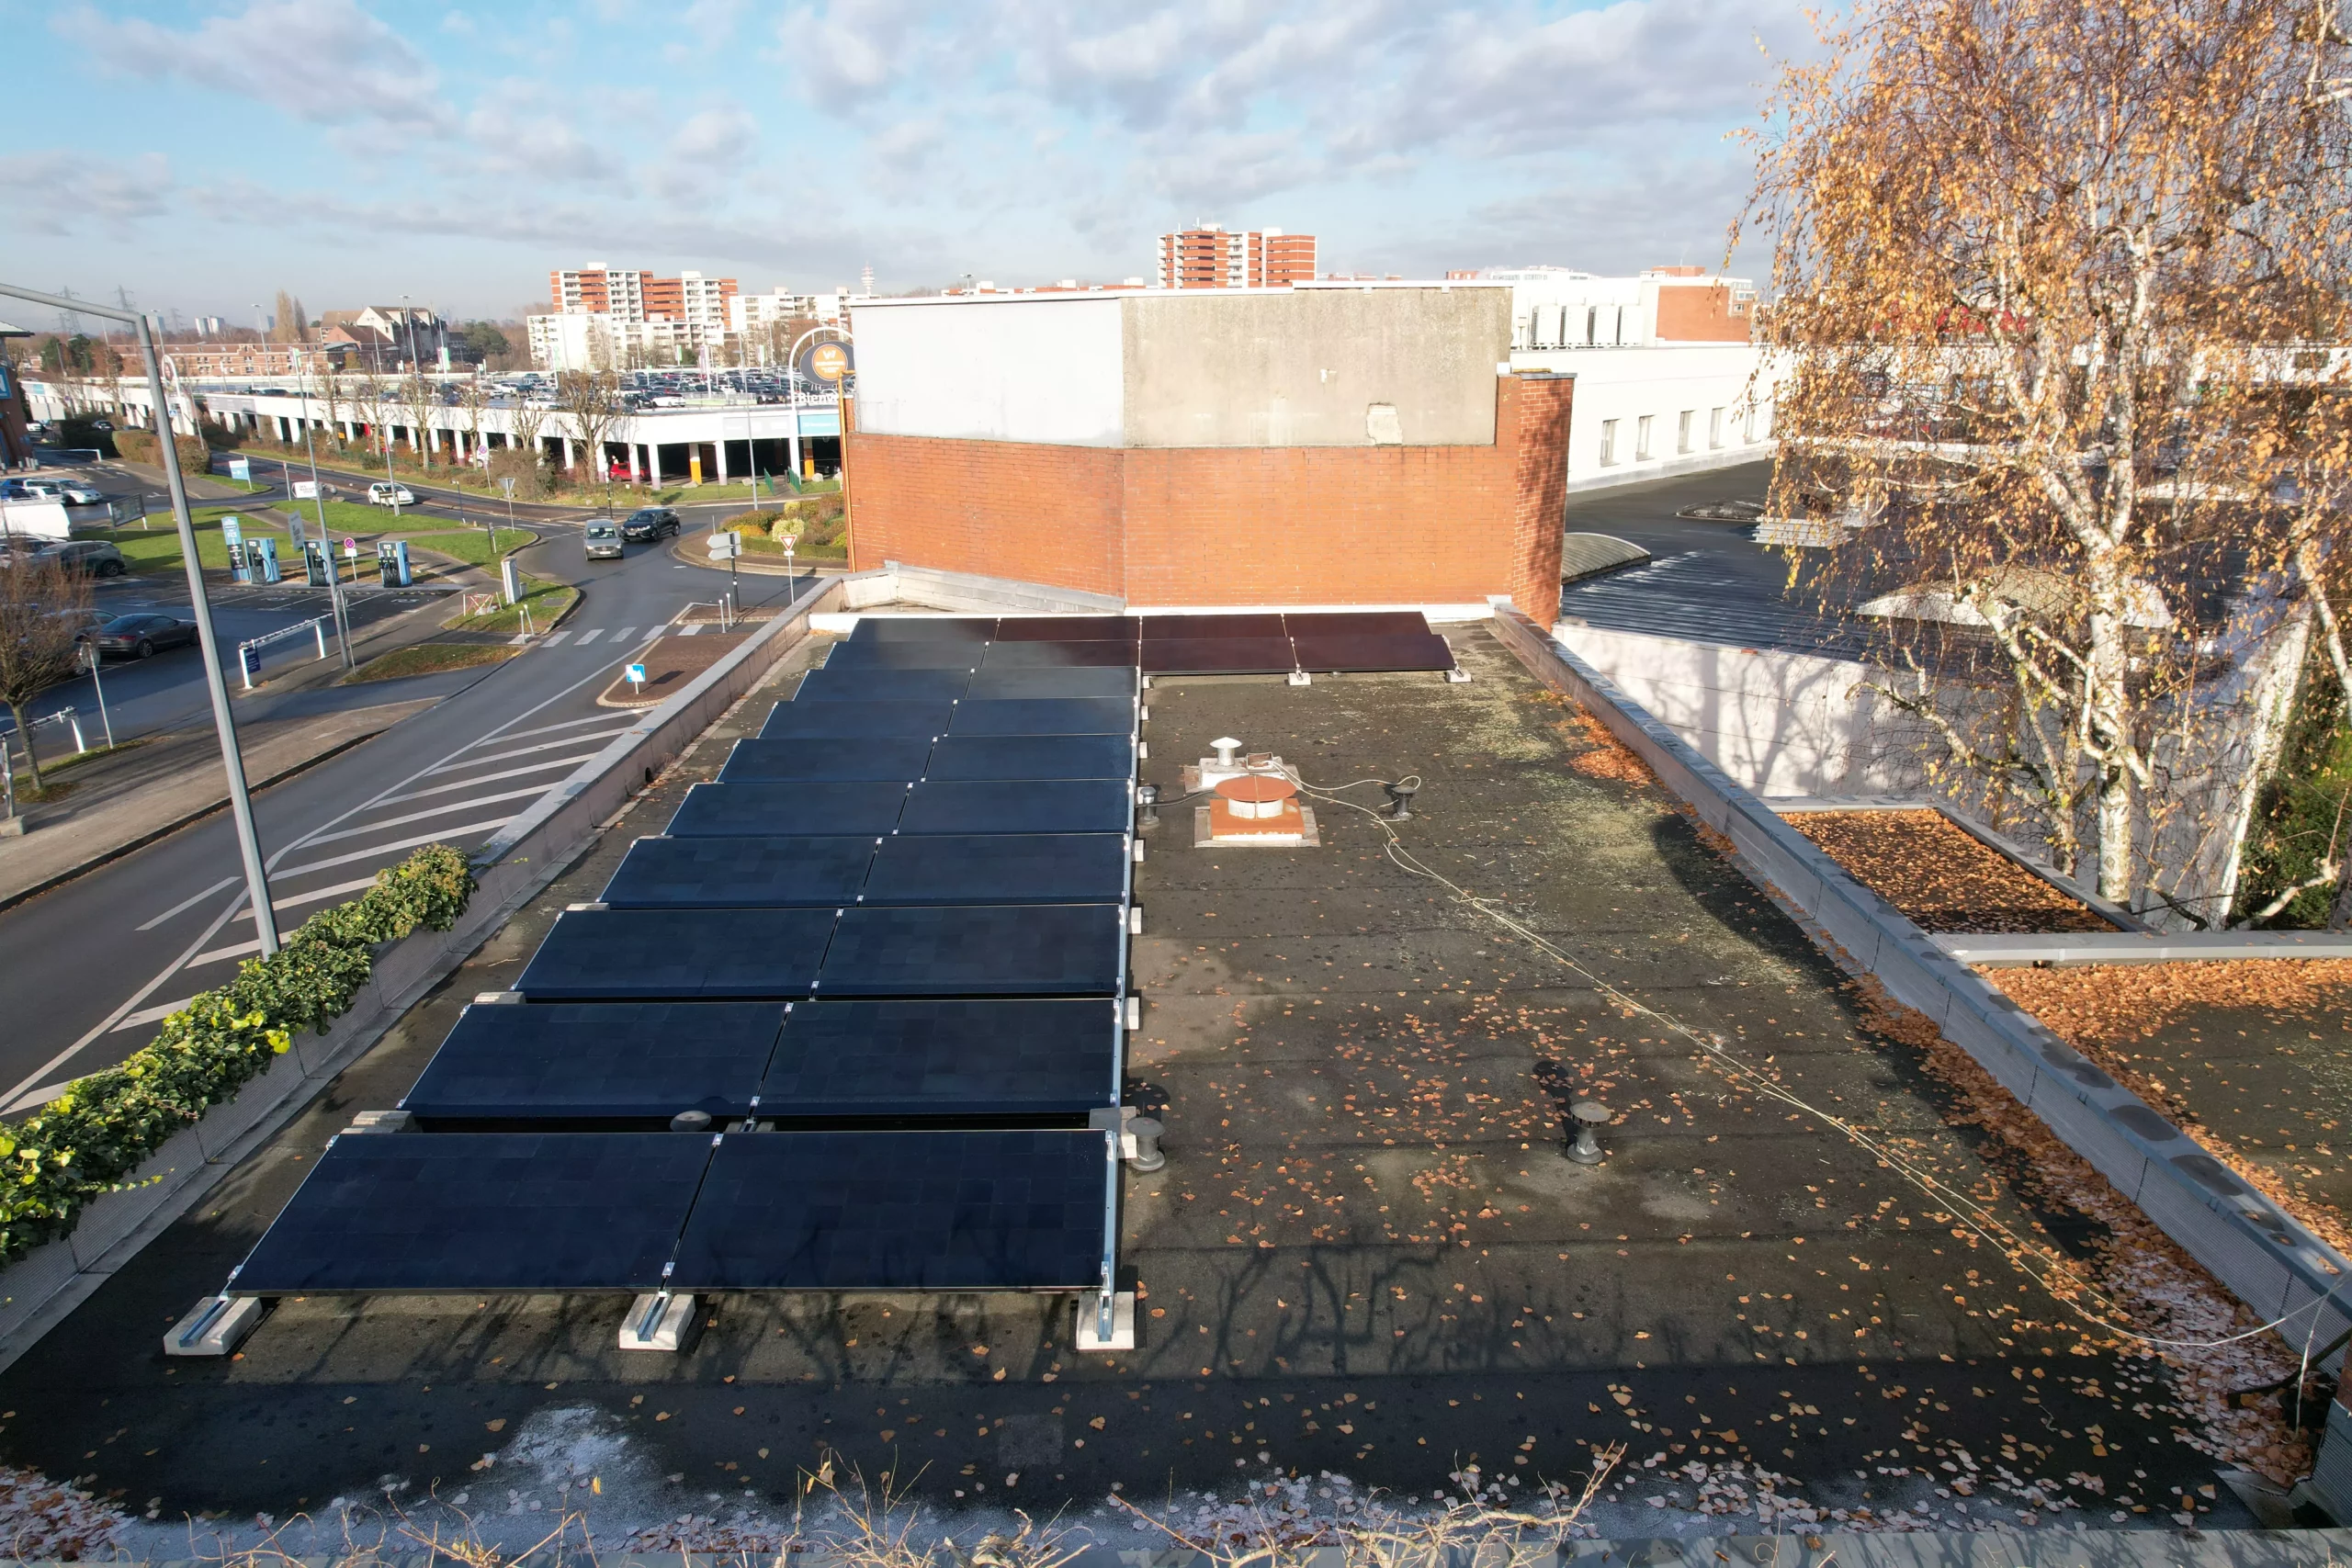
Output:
[[1662, 382], [1017, 369]]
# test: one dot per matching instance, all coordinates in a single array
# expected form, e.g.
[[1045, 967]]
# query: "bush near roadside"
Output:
[[83, 1143], [817, 525], [140, 446]]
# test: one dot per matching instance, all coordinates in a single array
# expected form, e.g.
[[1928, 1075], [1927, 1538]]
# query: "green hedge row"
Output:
[[83, 1143]]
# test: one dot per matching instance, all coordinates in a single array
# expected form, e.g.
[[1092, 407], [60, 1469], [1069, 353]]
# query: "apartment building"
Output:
[[638, 317], [1207, 256]]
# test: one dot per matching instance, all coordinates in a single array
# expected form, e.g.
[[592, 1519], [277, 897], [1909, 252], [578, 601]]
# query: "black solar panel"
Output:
[[1163, 628], [935, 654], [933, 1210], [1068, 628], [1029, 806], [1033, 757], [599, 1060], [1354, 623], [923, 628], [1051, 655], [999, 868], [1370, 651], [482, 1212], [1218, 656], [1044, 715], [1064, 681], [880, 761], [828, 685], [678, 955], [943, 1058], [1001, 950], [761, 873], [846, 721], [737, 810]]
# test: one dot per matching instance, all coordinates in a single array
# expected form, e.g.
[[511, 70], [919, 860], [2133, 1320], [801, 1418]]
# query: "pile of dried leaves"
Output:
[[1941, 878]]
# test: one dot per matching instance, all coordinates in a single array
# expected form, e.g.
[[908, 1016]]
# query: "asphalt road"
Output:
[[86, 970]]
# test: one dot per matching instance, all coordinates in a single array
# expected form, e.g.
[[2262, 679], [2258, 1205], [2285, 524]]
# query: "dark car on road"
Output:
[[140, 635], [652, 523]]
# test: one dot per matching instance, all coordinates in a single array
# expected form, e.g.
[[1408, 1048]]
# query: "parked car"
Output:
[[141, 635], [382, 494], [648, 524], [93, 557]]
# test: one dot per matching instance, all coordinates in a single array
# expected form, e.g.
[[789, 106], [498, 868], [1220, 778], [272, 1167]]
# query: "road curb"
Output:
[[107, 857]]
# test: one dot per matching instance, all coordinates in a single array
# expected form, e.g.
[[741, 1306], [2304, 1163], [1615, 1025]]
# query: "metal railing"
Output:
[[249, 650]]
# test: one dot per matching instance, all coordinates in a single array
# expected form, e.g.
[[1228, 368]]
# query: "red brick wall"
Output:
[[1234, 525]]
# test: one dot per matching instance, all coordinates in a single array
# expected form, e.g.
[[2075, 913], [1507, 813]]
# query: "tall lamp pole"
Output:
[[241, 805]]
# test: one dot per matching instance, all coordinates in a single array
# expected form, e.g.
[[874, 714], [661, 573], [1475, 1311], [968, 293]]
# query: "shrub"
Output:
[[85, 1141], [84, 433], [532, 477], [140, 446]]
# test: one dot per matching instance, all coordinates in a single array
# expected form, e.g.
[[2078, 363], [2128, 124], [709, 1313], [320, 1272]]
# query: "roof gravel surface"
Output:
[[1366, 1254]]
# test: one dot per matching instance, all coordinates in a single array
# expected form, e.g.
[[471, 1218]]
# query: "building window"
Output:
[[1747, 425], [1642, 437], [1592, 326], [1714, 428], [1682, 430], [1608, 442]]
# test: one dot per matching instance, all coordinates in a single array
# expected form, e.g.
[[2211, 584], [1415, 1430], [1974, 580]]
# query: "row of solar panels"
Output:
[[914, 994], [1239, 644]]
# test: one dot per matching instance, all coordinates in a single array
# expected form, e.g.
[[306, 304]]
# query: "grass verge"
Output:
[[427, 659], [545, 599], [473, 545]]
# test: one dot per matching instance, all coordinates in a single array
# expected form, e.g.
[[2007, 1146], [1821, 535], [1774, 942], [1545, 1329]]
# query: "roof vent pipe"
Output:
[[1226, 746]]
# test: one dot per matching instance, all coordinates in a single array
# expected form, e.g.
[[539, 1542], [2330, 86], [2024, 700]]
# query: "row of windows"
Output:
[[1755, 425]]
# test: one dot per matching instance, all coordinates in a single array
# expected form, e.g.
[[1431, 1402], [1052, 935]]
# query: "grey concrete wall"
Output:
[[1209, 367]]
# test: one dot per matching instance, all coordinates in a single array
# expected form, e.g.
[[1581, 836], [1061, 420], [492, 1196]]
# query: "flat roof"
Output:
[[1366, 1253]]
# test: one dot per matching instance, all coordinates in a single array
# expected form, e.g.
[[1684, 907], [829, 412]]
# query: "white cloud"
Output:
[[725, 133], [56, 192], [348, 65]]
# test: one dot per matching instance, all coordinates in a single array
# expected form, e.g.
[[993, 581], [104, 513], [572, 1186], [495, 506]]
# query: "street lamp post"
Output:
[[241, 805]]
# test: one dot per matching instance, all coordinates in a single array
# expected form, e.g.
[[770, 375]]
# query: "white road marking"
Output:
[[152, 1015], [622, 634], [186, 904], [551, 729], [466, 804], [695, 629], [442, 837], [591, 635], [488, 778], [236, 950], [464, 761], [553, 637]]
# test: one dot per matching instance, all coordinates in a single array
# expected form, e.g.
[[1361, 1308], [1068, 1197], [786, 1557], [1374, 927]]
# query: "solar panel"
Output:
[[846, 721], [761, 873], [1044, 715], [1067, 628], [1000, 950], [1028, 805], [1353, 623], [943, 1058], [734, 811], [923, 628], [998, 868], [1163, 628], [482, 1212], [928, 1211], [928, 655], [825, 685], [1393, 651], [1218, 656], [677, 954], [1033, 757], [589, 1060], [880, 759], [1064, 681], [1051, 655]]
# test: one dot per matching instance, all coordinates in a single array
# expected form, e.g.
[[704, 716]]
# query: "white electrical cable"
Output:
[[1975, 1216]]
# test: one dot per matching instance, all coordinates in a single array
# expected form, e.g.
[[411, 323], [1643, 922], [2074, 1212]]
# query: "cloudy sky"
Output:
[[203, 154]]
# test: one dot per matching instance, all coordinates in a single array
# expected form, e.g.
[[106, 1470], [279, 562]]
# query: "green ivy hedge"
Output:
[[83, 1143]]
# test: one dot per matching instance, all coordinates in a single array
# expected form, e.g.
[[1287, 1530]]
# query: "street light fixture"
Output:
[[241, 805]]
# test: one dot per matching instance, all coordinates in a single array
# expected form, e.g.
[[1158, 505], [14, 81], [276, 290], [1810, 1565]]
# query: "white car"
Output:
[[381, 493], [72, 492]]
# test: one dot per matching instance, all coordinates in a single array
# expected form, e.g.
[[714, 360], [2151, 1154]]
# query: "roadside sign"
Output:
[[350, 549], [506, 484], [829, 361], [249, 658], [635, 675], [232, 530], [725, 545], [241, 469], [306, 490], [295, 528]]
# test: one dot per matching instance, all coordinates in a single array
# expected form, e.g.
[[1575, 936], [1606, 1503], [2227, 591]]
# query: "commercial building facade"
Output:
[[1273, 446], [1207, 256]]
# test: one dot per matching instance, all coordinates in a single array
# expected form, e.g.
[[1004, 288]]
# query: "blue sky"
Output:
[[204, 155]]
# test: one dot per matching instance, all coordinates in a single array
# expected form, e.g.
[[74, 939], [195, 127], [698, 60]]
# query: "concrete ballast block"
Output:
[[214, 1327]]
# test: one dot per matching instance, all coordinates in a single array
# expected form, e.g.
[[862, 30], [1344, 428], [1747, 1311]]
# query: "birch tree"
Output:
[[2058, 286]]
